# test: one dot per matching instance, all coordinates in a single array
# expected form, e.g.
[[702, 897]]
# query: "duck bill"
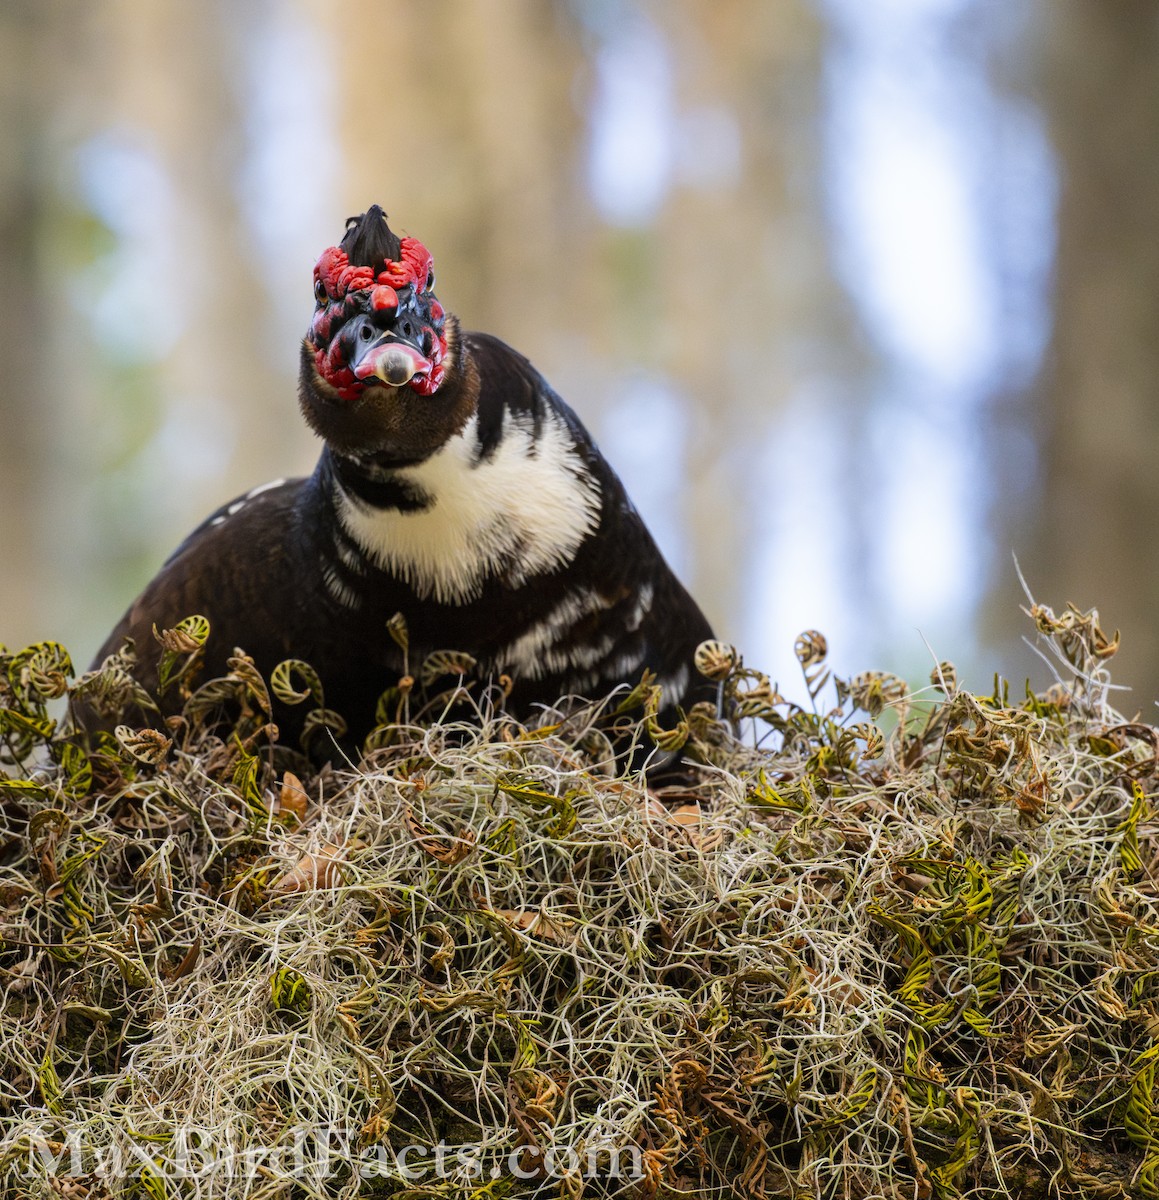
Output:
[[393, 361]]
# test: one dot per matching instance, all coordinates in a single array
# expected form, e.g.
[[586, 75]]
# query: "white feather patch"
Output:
[[264, 487], [642, 609], [522, 511], [673, 687], [537, 653], [339, 590], [237, 505], [533, 655], [626, 666]]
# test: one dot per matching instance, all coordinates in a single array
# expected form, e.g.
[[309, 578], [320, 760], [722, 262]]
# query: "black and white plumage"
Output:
[[481, 510]]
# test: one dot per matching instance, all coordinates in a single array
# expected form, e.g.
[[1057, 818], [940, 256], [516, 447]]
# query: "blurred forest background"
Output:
[[862, 299]]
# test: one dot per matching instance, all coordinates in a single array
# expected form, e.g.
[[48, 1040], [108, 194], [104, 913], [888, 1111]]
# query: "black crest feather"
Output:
[[369, 240]]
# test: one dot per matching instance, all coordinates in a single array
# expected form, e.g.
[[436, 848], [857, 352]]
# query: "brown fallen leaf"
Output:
[[187, 963], [531, 920], [690, 818], [292, 799], [688, 815], [446, 850], [322, 869], [654, 809]]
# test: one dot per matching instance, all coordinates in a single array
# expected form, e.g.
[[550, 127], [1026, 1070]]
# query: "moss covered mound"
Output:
[[886, 945]]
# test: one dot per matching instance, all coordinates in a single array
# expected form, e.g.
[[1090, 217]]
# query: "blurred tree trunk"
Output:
[[1095, 542], [31, 34], [746, 293], [176, 73], [19, 206], [161, 437]]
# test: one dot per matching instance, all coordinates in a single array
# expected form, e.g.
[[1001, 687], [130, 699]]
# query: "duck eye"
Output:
[[320, 291], [430, 281]]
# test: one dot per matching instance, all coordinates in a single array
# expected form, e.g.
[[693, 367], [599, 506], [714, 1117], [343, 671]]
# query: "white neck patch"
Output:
[[522, 511]]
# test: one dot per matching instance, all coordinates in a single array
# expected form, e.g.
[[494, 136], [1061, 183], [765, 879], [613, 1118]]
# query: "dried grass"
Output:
[[847, 963]]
